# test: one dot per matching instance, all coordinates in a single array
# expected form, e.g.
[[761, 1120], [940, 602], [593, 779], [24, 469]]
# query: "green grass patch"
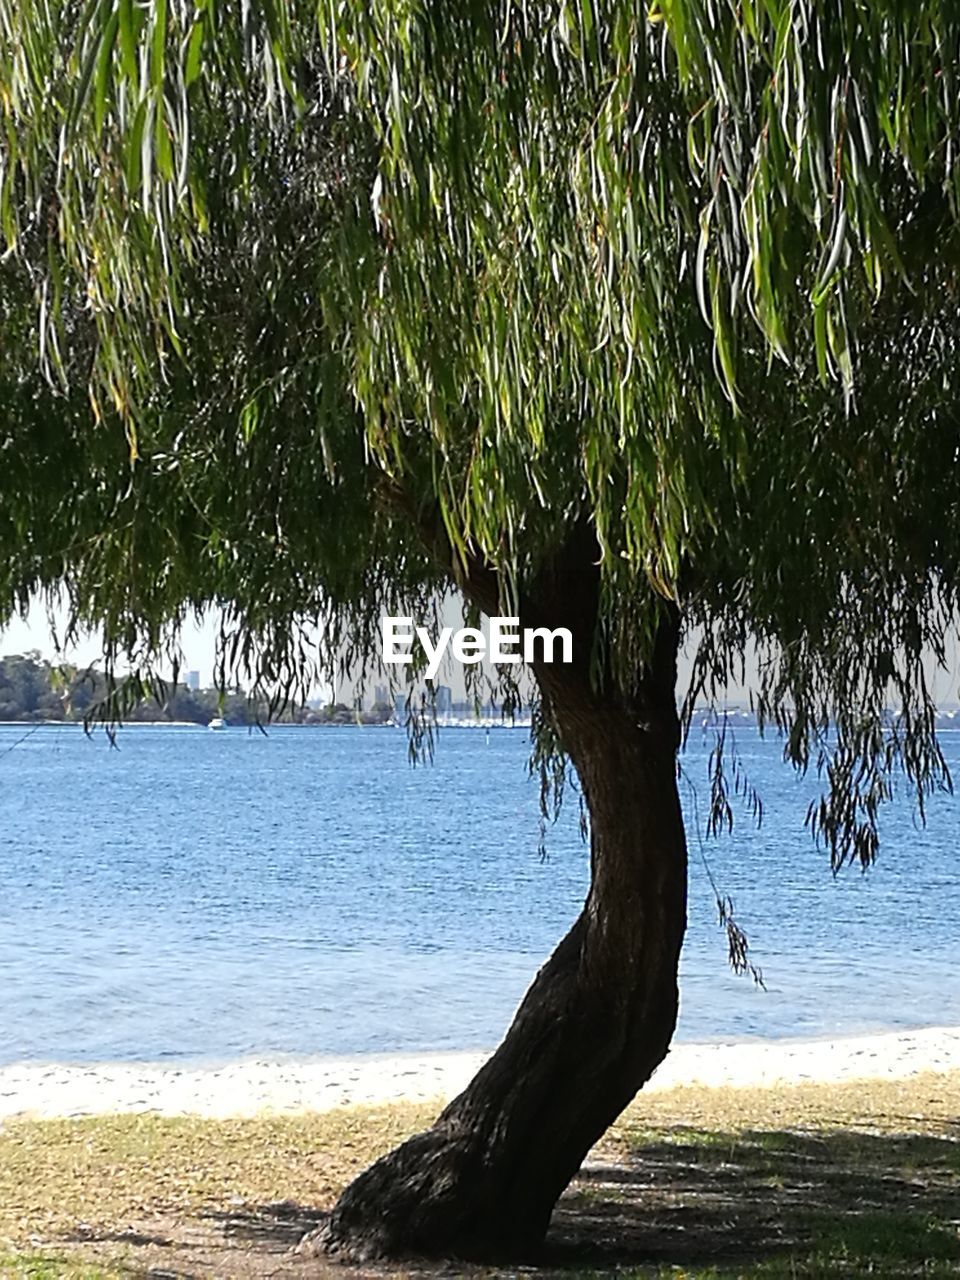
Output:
[[53, 1266], [814, 1181]]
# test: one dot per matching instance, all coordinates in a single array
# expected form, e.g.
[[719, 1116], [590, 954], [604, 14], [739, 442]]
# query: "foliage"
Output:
[[313, 288], [32, 689], [28, 690]]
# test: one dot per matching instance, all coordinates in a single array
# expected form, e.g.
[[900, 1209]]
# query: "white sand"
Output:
[[246, 1087]]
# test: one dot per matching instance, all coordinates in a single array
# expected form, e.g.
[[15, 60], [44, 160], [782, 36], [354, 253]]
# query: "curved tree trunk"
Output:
[[596, 1022]]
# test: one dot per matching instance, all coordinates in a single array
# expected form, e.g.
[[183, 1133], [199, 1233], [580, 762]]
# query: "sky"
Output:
[[199, 649], [33, 632], [198, 643]]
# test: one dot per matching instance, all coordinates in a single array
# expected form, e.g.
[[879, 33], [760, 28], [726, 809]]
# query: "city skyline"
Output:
[[199, 644]]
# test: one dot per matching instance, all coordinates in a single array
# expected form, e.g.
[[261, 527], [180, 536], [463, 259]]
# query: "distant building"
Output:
[[381, 694], [443, 700], [400, 708], [193, 680]]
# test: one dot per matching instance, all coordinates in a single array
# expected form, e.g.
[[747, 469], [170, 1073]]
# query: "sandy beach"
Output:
[[252, 1086]]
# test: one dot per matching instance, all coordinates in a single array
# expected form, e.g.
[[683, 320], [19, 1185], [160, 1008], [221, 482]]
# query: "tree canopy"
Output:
[[293, 293], [33, 689]]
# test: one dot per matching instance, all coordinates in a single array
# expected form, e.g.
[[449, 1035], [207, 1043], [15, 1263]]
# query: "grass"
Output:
[[784, 1204], [851, 1180], [53, 1266]]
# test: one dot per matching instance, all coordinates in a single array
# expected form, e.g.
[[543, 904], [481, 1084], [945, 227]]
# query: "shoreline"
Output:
[[251, 1086]]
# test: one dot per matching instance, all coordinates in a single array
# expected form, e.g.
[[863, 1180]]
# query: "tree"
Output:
[[27, 689], [636, 319]]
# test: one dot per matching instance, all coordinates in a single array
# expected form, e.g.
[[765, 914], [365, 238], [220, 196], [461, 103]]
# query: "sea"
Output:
[[188, 896]]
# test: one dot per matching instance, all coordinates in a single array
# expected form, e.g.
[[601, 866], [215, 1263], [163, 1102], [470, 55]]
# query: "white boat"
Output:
[[217, 722]]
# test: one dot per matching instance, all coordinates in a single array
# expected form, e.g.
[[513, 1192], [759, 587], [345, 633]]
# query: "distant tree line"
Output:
[[31, 688]]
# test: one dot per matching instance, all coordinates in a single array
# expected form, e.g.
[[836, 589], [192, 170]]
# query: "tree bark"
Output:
[[598, 1019]]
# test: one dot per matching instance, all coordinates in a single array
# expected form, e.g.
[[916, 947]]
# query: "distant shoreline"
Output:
[[252, 727], [252, 1086], [520, 723]]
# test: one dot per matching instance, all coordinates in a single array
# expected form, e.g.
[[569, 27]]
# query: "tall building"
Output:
[[400, 708], [381, 694], [192, 680], [443, 700]]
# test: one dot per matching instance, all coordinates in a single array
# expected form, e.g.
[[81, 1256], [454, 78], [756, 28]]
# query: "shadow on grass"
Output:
[[767, 1203], [681, 1203], [698, 1203], [281, 1224]]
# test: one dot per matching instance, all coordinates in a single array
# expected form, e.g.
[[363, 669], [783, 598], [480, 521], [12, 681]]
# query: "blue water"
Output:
[[193, 895]]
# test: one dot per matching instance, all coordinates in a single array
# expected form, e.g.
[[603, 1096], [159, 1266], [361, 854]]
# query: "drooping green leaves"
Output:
[[685, 272]]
